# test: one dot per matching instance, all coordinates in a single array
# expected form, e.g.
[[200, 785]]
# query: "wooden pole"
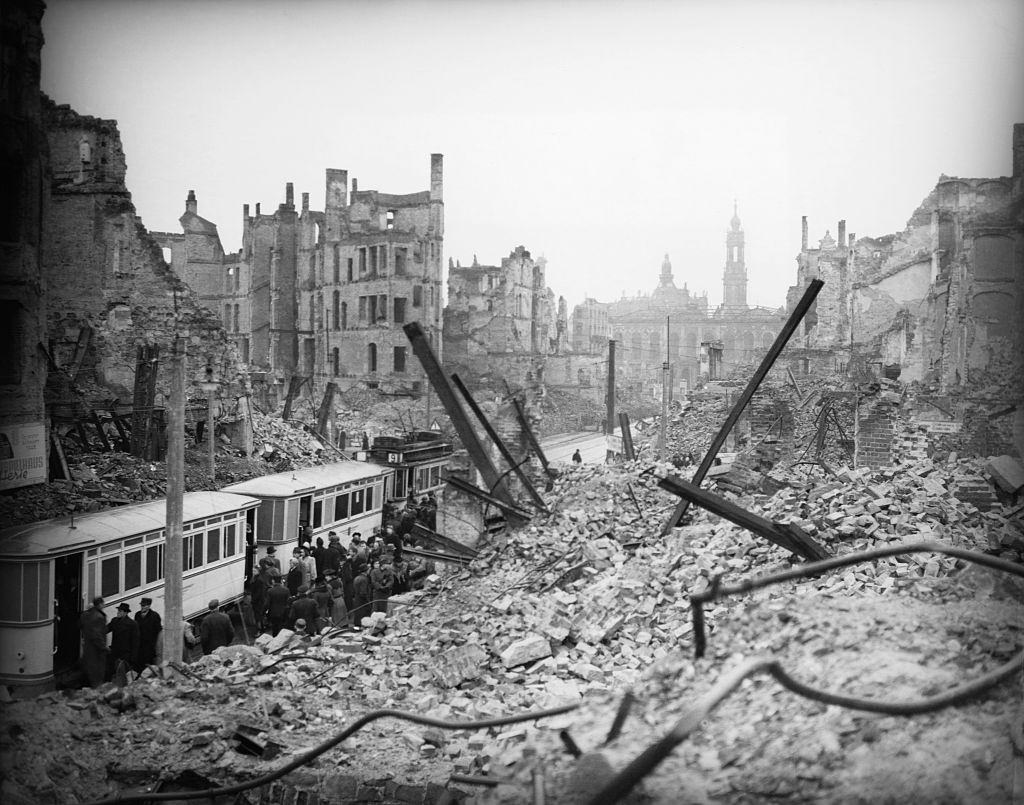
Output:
[[609, 427], [173, 559]]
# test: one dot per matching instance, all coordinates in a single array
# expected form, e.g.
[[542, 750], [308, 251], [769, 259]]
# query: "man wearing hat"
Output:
[[216, 629], [93, 624], [305, 609], [271, 560], [124, 642], [150, 626]]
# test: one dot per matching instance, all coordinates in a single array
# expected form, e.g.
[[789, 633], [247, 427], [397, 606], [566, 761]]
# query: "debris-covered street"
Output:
[[584, 608]]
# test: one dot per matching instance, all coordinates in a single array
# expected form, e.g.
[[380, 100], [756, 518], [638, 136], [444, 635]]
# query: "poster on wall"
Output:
[[22, 455]]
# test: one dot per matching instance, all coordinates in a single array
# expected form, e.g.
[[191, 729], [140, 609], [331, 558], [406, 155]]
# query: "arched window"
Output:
[[336, 362], [371, 357], [336, 310]]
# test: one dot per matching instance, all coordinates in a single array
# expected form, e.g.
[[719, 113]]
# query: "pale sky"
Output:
[[598, 134]]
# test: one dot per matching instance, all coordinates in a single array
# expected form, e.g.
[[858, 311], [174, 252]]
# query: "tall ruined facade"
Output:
[[323, 295], [939, 305], [500, 319], [24, 171]]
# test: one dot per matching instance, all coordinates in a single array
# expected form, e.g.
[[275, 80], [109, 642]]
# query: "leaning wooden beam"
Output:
[[438, 556], [786, 535], [534, 444], [467, 435], [508, 508], [420, 531], [627, 437], [94, 417], [762, 371], [513, 463]]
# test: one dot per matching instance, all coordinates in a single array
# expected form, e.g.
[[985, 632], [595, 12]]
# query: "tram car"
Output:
[[346, 497], [52, 570]]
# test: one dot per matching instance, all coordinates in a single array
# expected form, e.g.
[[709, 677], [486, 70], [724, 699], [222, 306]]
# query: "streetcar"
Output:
[[52, 570]]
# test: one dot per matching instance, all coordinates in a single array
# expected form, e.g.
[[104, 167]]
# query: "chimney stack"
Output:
[[305, 202], [289, 196], [257, 209], [191, 205], [803, 235], [245, 210], [436, 177], [841, 240]]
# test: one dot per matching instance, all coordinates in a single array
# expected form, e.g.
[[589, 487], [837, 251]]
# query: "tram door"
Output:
[[305, 514], [250, 543], [67, 589]]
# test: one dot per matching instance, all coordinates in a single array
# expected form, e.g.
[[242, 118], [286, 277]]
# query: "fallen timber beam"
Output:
[[534, 444], [467, 435], [762, 371], [786, 535], [438, 556], [515, 465], [422, 532], [508, 508], [627, 437]]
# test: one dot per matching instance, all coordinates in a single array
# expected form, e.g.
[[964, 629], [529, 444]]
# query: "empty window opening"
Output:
[[389, 221], [417, 295], [399, 317], [400, 359], [371, 357], [335, 362], [401, 257]]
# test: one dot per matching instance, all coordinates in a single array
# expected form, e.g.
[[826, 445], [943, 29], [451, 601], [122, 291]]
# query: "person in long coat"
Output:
[[124, 640], [305, 609], [382, 579], [361, 597], [150, 626], [278, 598], [216, 629], [93, 625]]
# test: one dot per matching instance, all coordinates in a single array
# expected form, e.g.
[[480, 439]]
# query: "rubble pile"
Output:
[[575, 607], [104, 480]]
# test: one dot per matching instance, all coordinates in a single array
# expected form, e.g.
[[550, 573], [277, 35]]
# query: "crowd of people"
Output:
[[331, 585], [323, 585]]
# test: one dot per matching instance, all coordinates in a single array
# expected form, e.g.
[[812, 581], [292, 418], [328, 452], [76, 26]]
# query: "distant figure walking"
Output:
[[216, 629], [93, 624], [576, 457]]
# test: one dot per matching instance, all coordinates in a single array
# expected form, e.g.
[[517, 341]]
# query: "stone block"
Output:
[[459, 664], [530, 648], [1007, 472], [282, 639]]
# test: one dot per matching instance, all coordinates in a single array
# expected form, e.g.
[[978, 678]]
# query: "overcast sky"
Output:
[[598, 134]]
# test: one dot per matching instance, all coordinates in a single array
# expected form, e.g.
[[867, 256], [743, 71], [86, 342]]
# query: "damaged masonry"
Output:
[[795, 572]]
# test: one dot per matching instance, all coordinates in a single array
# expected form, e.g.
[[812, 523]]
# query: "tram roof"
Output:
[[51, 537], [295, 482]]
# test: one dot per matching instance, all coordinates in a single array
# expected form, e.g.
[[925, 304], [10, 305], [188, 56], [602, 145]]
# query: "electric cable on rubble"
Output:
[[330, 743], [620, 785]]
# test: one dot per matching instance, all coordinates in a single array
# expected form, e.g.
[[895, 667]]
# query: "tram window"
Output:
[[318, 514], [341, 507], [369, 498], [435, 476], [399, 485], [30, 610], [10, 592], [44, 590], [133, 570], [154, 563], [229, 540], [357, 502], [278, 533], [213, 545], [197, 551], [110, 576]]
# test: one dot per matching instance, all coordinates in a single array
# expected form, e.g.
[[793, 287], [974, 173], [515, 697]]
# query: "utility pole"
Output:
[[210, 387], [173, 565], [609, 425], [663, 431]]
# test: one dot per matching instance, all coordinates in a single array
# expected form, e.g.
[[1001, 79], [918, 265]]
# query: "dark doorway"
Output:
[[67, 590]]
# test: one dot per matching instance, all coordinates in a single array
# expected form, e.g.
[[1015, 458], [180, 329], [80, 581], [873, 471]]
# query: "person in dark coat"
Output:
[[304, 608], [93, 624], [319, 558], [361, 596], [294, 578], [150, 626], [124, 641], [271, 560], [334, 553], [278, 599], [216, 629], [577, 458], [347, 574], [321, 594], [400, 571], [381, 582], [338, 610], [258, 588], [431, 513]]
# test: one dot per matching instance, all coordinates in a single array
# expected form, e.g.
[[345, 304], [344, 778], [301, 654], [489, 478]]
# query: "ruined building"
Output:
[[939, 305], [84, 286], [323, 295], [502, 320]]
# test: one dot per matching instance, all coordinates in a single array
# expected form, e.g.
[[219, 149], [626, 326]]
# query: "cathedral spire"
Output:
[[734, 280]]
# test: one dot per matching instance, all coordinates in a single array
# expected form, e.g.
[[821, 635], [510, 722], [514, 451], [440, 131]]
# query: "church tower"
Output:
[[734, 280]]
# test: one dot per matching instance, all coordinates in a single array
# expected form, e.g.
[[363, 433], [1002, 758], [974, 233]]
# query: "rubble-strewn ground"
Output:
[[581, 607]]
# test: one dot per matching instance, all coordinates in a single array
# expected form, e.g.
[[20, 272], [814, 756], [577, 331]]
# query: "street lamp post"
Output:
[[210, 386]]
